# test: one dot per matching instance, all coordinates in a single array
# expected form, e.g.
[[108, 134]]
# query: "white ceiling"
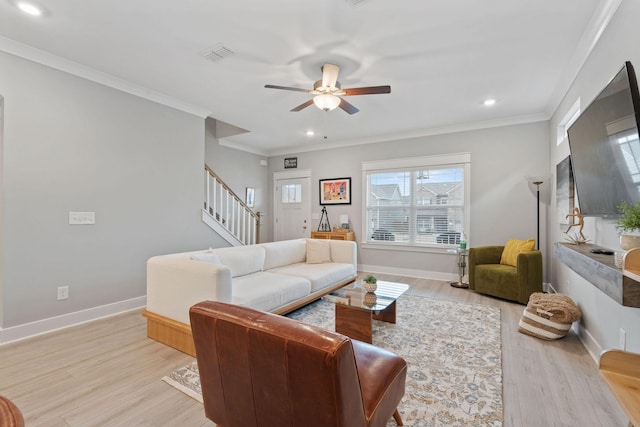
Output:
[[441, 58]]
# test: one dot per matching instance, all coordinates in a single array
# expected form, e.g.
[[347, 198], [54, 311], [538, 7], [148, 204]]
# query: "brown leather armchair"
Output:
[[259, 369], [10, 415]]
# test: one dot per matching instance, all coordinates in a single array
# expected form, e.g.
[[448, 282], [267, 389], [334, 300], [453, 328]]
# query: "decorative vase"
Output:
[[629, 241], [370, 287]]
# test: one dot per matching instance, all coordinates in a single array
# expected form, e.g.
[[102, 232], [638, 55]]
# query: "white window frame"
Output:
[[411, 163]]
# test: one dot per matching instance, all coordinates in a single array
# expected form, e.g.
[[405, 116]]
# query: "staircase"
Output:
[[227, 214]]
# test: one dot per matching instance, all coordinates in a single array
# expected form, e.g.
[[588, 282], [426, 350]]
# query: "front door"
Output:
[[292, 205]]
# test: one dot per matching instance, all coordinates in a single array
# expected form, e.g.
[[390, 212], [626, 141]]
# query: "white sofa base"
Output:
[[178, 335]]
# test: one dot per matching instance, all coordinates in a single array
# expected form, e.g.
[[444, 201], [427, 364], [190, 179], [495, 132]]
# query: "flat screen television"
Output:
[[605, 150]]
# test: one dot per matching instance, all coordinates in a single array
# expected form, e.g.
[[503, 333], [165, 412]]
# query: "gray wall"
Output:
[[602, 317], [73, 145], [239, 170], [502, 204]]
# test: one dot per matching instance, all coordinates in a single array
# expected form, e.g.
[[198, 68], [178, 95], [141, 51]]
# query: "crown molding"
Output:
[[597, 25], [242, 147], [38, 56], [462, 127]]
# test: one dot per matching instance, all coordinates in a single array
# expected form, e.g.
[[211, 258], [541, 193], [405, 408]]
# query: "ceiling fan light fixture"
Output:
[[326, 101]]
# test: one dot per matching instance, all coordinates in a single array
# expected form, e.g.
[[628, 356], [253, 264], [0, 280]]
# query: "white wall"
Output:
[[502, 204], [602, 317], [239, 170], [74, 145]]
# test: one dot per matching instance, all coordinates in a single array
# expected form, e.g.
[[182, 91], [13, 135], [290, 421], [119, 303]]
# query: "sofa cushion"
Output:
[[208, 256], [267, 291], [513, 248], [242, 260], [497, 280], [318, 251], [320, 275], [278, 254]]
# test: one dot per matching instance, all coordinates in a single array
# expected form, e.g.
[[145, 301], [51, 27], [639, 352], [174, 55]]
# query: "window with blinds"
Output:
[[416, 206]]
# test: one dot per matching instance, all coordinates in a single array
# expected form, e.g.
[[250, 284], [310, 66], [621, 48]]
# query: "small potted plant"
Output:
[[370, 283], [628, 225]]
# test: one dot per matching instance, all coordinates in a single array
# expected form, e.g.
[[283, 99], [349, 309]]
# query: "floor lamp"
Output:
[[537, 183]]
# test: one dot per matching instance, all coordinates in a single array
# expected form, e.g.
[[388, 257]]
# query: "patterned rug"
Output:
[[453, 351]]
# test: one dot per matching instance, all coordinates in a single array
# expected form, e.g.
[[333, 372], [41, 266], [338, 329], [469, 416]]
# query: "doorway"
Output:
[[291, 204]]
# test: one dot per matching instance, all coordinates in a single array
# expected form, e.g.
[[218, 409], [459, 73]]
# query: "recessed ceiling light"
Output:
[[489, 102], [310, 132], [29, 8]]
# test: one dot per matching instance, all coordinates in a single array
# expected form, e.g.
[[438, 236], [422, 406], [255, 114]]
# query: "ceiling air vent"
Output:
[[217, 52]]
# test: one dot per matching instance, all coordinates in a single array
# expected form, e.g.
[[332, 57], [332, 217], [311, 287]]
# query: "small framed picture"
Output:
[[336, 191], [290, 162], [250, 197]]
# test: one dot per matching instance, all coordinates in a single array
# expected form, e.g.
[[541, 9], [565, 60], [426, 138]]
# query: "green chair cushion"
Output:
[[497, 280]]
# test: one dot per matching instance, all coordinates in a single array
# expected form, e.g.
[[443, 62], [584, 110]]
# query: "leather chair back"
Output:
[[262, 370]]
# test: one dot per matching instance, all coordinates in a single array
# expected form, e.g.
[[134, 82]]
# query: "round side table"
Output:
[[462, 269]]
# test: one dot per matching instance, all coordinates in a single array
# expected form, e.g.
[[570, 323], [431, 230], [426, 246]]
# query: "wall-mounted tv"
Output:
[[605, 150]]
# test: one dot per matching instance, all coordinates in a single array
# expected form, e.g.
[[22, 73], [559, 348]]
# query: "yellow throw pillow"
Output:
[[513, 248]]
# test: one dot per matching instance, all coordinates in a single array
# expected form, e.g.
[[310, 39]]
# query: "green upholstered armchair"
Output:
[[488, 276]]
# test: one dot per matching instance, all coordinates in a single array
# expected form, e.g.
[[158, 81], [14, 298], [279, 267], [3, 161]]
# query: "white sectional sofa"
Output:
[[277, 277]]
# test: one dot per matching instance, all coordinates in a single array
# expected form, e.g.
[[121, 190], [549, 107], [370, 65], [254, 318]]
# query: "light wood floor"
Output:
[[107, 373]]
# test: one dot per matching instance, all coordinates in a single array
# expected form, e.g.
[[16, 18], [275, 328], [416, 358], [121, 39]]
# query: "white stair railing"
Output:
[[229, 211]]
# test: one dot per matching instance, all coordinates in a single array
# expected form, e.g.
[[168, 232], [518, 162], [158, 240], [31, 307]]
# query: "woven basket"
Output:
[[548, 316]]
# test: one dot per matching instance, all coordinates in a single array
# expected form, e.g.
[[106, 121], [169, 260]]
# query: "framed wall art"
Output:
[[290, 162], [250, 197], [336, 191]]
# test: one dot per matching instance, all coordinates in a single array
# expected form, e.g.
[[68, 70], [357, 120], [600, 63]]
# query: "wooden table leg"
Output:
[[388, 314], [354, 322]]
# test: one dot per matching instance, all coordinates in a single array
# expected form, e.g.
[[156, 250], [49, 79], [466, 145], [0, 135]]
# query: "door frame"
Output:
[[283, 175]]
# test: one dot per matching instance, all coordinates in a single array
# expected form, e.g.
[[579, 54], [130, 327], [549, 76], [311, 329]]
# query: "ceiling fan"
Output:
[[328, 91]]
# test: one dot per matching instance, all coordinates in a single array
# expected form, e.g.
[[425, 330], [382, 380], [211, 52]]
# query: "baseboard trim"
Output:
[[39, 327], [593, 347], [420, 274]]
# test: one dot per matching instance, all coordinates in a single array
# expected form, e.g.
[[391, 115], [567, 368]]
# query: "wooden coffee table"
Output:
[[356, 308]]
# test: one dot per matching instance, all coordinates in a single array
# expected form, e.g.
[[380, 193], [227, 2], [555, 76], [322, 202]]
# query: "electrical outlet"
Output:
[[622, 340], [63, 293]]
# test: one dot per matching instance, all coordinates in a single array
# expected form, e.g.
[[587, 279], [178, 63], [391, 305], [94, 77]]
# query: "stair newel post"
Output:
[[257, 223]]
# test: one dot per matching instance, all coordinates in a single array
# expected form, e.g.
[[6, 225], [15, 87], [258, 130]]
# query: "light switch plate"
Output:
[[82, 218]]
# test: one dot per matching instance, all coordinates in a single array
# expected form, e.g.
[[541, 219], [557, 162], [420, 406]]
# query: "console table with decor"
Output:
[[334, 235], [622, 285]]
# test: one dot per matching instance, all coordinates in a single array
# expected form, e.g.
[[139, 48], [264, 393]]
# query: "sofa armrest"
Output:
[[175, 284], [344, 251], [529, 267], [482, 255]]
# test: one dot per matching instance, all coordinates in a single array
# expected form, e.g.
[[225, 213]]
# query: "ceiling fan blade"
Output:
[[296, 89], [330, 75], [371, 90], [349, 108], [303, 105]]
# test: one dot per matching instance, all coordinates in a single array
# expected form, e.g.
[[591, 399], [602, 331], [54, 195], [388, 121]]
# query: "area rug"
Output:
[[453, 351]]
